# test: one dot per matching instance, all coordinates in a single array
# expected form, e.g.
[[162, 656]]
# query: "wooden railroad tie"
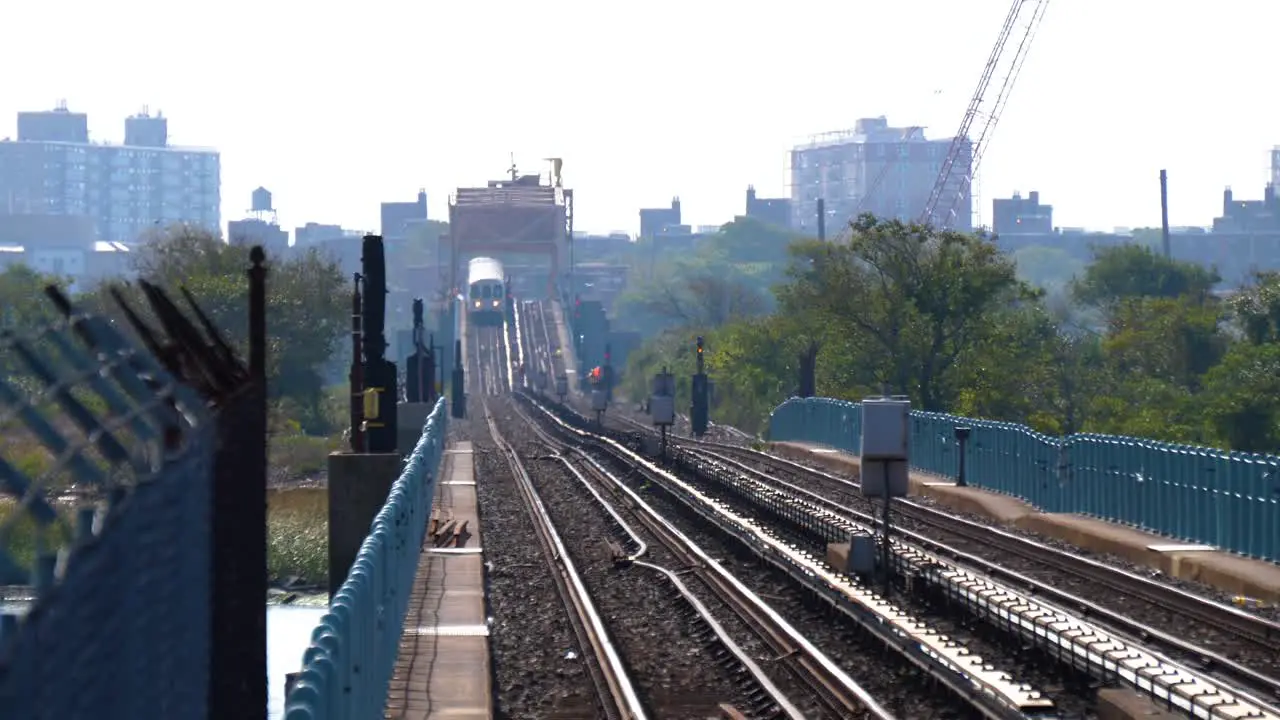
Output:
[[731, 712]]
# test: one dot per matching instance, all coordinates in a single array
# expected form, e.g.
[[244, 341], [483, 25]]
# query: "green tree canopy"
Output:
[[917, 296], [307, 312], [1136, 271]]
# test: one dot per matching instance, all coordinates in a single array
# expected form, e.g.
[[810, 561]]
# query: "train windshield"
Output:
[[488, 291], [475, 292]]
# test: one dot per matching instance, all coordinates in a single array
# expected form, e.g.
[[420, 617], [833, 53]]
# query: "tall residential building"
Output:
[[53, 169], [887, 171]]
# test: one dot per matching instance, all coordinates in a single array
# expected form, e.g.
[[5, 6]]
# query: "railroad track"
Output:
[[979, 686], [613, 683], [829, 521], [833, 689], [1259, 637], [490, 348]]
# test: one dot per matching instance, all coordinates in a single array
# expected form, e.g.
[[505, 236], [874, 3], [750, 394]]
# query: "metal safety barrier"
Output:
[[1227, 499], [347, 669]]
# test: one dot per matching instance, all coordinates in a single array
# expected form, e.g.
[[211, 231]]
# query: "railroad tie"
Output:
[[444, 534], [786, 655], [731, 713]]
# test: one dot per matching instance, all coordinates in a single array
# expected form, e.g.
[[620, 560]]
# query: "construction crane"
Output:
[[884, 170], [1024, 15]]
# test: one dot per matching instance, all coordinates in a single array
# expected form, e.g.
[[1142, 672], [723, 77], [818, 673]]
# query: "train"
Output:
[[486, 292]]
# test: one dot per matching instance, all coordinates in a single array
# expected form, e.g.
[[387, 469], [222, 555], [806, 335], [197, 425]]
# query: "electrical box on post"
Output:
[[599, 400], [886, 434], [884, 478], [562, 385], [662, 408]]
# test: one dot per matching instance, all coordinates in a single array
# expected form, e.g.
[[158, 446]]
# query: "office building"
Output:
[[887, 171], [656, 221], [399, 218], [774, 211], [54, 169], [1021, 215]]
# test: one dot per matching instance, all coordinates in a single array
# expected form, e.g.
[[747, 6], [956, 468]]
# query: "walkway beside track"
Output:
[[1225, 571], [568, 356], [443, 668]]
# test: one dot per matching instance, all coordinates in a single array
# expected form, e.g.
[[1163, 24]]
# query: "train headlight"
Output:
[[477, 303], [496, 303]]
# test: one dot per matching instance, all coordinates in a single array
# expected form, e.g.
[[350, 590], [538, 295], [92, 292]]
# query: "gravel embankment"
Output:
[[676, 674], [537, 672], [902, 689]]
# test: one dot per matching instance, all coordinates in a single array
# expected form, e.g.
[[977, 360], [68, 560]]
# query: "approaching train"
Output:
[[486, 291]]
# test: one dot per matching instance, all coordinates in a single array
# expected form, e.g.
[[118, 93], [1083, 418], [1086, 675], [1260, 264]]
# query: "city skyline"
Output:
[[1101, 106]]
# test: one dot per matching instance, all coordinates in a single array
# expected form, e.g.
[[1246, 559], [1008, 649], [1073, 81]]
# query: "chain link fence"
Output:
[[114, 437]]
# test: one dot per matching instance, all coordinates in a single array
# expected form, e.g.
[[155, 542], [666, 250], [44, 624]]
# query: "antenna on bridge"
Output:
[[514, 173]]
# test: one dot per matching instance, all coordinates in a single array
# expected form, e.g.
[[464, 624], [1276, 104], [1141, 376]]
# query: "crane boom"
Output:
[[847, 227], [991, 116]]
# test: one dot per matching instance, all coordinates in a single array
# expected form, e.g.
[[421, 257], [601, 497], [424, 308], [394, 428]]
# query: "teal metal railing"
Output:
[[347, 669], [1227, 499]]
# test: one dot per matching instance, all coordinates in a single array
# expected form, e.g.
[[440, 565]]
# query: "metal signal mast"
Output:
[[1024, 15]]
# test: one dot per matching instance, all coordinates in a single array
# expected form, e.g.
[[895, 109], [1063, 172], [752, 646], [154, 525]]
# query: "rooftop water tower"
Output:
[[260, 206]]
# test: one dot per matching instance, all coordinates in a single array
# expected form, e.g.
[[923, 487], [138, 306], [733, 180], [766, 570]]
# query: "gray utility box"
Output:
[[662, 400], [662, 408], [885, 477], [562, 385], [856, 557], [862, 554], [599, 400], [886, 434]]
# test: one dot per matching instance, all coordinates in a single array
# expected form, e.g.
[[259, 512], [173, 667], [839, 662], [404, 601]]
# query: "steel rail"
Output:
[[991, 692], [957, 582], [613, 682], [1261, 631]]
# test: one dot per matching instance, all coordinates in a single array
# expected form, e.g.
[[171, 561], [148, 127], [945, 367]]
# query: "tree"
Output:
[[1243, 398], [307, 313], [1174, 340], [1257, 309], [917, 295], [1045, 266], [24, 309], [691, 294], [747, 240], [1135, 271]]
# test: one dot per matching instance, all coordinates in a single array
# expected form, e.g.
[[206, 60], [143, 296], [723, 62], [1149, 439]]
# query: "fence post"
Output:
[[238, 662]]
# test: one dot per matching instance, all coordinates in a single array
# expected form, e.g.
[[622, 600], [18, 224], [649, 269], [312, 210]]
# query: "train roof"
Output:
[[484, 268]]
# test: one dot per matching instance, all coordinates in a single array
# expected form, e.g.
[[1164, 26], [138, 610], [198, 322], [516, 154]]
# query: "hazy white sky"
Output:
[[336, 107]]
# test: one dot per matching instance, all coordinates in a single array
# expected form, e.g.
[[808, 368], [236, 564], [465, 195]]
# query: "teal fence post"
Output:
[[347, 669]]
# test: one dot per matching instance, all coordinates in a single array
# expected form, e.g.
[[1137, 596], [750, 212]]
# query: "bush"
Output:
[[20, 543], [298, 534]]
